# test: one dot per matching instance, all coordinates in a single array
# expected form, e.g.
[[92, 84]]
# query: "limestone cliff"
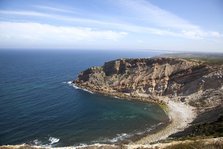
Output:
[[151, 77]]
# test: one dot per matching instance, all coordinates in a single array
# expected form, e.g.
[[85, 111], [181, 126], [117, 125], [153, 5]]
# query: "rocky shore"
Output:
[[189, 90], [187, 87], [213, 143]]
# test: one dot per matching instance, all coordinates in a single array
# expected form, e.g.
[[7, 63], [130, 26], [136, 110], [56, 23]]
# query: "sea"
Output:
[[38, 105]]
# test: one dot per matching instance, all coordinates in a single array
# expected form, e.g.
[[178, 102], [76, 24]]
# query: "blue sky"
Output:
[[190, 25]]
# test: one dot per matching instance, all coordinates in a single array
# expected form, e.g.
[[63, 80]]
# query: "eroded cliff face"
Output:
[[151, 77]]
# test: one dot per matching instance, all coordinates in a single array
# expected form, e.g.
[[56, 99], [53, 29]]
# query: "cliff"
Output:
[[190, 88], [187, 86], [153, 77]]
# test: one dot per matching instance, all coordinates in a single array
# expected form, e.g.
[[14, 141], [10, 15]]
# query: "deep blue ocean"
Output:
[[39, 107]]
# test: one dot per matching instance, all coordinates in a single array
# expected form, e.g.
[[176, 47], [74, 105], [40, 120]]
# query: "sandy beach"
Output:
[[180, 115]]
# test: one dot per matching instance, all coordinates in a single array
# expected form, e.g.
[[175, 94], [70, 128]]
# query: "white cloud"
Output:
[[24, 13], [215, 34], [152, 14], [199, 34], [125, 26], [49, 8], [44, 34], [165, 22], [139, 18]]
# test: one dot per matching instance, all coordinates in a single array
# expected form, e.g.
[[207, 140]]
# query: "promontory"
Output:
[[191, 89]]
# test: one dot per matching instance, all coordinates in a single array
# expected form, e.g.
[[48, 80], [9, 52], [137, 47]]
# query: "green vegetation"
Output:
[[164, 107], [21, 147], [208, 58], [214, 129], [197, 145], [203, 131]]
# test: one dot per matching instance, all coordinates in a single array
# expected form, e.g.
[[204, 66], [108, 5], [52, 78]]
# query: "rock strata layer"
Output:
[[148, 78]]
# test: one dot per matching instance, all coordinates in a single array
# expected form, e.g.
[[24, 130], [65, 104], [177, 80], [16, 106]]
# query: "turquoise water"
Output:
[[39, 107]]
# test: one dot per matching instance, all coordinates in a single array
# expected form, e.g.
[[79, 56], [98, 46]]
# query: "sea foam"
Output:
[[53, 140], [117, 138], [120, 137], [76, 87], [69, 82], [87, 91]]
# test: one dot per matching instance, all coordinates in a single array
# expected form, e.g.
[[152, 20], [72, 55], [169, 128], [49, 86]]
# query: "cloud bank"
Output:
[[43, 34], [136, 20]]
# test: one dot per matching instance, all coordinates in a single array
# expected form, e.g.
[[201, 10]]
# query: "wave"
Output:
[[36, 142], [47, 142], [117, 97], [87, 90], [53, 140], [82, 145], [69, 82], [119, 137], [125, 136], [76, 87]]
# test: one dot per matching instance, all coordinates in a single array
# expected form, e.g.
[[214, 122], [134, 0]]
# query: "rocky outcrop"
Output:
[[190, 88], [143, 78], [209, 143], [186, 82]]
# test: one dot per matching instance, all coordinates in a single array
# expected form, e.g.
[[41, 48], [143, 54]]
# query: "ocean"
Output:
[[39, 107]]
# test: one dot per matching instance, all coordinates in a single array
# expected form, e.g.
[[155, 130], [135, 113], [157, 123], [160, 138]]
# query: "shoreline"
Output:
[[204, 142], [135, 137], [180, 115], [178, 121]]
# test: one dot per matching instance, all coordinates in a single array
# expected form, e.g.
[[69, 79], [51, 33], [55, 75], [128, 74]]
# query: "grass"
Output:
[[214, 129], [203, 131], [207, 60], [197, 145], [21, 147]]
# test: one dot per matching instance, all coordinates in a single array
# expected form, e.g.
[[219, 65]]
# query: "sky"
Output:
[[176, 25]]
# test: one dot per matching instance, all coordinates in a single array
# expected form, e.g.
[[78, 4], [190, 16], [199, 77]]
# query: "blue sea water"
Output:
[[39, 107]]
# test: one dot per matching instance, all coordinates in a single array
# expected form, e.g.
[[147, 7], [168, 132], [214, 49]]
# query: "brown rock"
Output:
[[150, 77]]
